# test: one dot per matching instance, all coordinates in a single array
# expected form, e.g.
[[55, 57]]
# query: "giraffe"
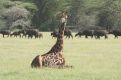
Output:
[[53, 58]]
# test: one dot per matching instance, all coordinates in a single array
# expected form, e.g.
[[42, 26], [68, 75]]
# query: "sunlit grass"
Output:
[[92, 59]]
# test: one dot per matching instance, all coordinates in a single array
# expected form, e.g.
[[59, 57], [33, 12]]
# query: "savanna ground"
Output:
[[92, 59]]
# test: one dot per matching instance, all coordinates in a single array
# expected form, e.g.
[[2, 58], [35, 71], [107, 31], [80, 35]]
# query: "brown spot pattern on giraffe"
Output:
[[54, 58]]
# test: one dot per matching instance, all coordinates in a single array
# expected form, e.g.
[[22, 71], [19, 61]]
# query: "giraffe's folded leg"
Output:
[[37, 62]]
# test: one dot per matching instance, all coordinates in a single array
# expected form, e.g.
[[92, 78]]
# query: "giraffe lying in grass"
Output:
[[54, 58]]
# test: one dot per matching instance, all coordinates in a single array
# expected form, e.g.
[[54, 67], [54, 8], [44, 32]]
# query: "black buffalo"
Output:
[[85, 33], [5, 32], [54, 34], [68, 33], [116, 33], [31, 33], [19, 33], [39, 35], [80, 33], [100, 33]]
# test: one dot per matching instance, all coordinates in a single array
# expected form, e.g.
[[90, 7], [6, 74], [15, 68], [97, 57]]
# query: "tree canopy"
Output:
[[42, 13]]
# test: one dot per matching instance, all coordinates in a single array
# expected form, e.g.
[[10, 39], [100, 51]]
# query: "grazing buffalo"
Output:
[[31, 33], [100, 33], [80, 33], [54, 34], [5, 32], [19, 33], [85, 33], [68, 34], [116, 33], [39, 35], [15, 34]]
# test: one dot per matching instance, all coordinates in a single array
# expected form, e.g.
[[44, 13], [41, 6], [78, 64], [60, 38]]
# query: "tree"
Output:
[[110, 14], [76, 11], [46, 15], [18, 11], [15, 14]]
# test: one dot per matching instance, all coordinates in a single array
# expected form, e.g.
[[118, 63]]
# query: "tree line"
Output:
[[42, 14]]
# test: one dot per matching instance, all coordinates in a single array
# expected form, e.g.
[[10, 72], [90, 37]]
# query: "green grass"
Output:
[[92, 59]]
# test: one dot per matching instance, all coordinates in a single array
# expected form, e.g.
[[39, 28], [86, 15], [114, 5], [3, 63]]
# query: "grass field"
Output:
[[92, 59]]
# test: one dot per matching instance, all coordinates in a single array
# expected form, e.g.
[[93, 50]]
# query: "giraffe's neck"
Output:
[[58, 47], [61, 35]]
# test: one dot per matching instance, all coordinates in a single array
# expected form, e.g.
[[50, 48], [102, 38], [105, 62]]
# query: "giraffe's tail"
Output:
[[37, 62], [65, 66]]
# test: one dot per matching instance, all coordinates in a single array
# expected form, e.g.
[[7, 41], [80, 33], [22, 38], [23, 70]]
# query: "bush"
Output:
[[30, 7], [20, 24], [15, 14], [8, 4]]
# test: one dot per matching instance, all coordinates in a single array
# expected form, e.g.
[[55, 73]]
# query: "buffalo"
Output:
[[85, 33], [116, 33], [17, 33], [100, 33], [31, 33], [5, 32], [68, 34], [80, 33], [54, 34], [39, 35]]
